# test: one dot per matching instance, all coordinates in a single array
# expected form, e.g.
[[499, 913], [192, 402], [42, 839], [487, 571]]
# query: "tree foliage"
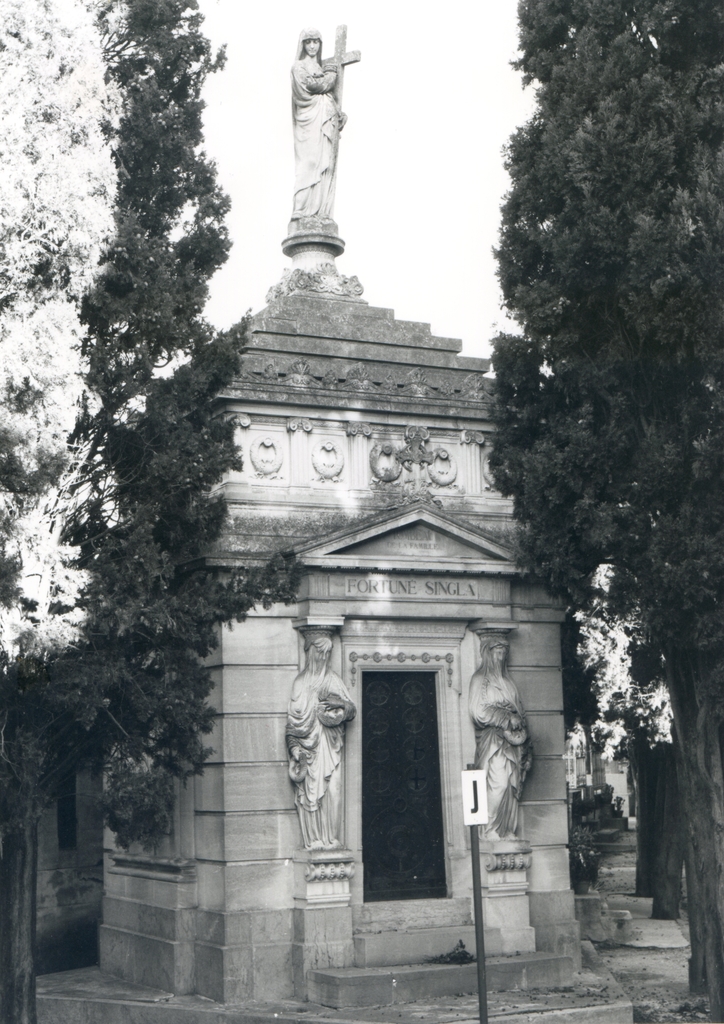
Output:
[[129, 691], [610, 404], [56, 199]]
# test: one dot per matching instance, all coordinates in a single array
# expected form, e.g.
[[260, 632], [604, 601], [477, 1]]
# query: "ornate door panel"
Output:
[[402, 834]]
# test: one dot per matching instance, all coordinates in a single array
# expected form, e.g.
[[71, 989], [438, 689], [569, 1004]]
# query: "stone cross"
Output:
[[342, 58]]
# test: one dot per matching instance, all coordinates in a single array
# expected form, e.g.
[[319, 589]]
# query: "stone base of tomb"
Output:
[[382, 986]]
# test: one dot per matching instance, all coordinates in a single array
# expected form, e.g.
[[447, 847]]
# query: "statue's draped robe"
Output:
[[316, 133], [319, 791], [493, 702]]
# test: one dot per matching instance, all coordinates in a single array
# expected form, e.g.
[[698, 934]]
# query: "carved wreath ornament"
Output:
[[384, 463], [266, 456], [443, 469], [328, 460]]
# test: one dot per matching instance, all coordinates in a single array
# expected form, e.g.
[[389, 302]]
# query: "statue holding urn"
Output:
[[502, 745], [320, 706]]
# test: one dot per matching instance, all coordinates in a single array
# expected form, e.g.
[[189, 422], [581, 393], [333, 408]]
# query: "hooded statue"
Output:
[[317, 123], [502, 745], [319, 707]]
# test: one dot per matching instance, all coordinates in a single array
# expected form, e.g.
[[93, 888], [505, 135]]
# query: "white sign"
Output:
[[475, 798]]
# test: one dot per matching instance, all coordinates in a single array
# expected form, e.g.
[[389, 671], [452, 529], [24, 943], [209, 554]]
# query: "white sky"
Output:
[[420, 175]]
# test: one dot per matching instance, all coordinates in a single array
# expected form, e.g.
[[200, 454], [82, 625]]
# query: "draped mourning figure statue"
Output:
[[502, 745], [319, 707], [318, 121]]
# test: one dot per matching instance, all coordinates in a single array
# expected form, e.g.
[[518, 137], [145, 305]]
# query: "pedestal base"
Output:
[[322, 930], [313, 244], [504, 866]]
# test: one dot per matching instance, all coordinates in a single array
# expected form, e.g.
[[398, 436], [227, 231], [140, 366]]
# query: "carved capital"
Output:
[[300, 424], [489, 630], [472, 437], [355, 427]]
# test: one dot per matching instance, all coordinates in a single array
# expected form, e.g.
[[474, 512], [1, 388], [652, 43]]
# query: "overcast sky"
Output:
[[420, 176]]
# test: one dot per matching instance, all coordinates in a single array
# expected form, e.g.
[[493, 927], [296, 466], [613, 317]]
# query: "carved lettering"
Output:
[[395, 586]]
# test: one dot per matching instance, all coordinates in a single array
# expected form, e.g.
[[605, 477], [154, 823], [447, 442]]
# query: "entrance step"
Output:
[[410, 945], [381, 986]]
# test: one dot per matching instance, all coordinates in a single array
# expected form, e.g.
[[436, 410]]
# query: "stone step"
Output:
[[411, 945], [380, 986]]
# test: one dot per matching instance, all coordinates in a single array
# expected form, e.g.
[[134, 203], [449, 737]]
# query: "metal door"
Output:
[[402, 832]]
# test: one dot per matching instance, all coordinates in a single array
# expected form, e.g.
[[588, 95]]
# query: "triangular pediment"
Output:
[[415, 538]]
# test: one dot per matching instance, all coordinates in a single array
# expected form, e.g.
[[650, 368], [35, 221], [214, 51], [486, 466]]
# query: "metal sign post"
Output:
[[475, 813]]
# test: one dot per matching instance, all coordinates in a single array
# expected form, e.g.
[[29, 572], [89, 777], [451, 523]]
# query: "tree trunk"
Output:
[[670, 839], [697, 967], [660, 835], [644, 766], [18, 881], [697, 715]]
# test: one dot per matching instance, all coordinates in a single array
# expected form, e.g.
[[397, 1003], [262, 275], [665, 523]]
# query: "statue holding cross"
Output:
[[318, 120]]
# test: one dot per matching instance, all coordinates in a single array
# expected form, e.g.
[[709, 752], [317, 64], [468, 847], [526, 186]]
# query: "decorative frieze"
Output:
[[378, 657], [366, 378]]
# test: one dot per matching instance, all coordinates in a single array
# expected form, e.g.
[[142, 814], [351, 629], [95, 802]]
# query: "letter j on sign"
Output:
[[475, 798]]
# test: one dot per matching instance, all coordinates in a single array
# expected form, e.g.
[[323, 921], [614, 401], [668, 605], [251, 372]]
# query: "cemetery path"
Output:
[[652, 969]]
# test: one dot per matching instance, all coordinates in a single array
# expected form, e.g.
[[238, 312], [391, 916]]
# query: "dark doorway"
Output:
[[402, 834]]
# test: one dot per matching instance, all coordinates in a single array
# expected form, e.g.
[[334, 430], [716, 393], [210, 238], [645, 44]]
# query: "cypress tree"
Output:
[[610, 402]]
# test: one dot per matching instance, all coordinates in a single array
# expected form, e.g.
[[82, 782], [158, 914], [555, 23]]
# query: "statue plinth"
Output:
[[311, 241]]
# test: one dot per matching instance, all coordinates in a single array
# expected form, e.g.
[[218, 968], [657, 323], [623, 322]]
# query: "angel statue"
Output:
[[319, 707], [317, 123], [502, 745]]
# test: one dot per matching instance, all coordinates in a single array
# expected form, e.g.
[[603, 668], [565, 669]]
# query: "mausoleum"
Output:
[[322, 854]]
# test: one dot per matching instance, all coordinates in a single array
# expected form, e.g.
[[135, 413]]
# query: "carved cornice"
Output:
[[378, 657], [364, 378]]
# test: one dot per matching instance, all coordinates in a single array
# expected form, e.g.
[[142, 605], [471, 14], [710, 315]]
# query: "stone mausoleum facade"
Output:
[[365, 445]]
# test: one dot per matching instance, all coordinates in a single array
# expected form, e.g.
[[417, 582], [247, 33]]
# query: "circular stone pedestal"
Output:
[[313, 245]]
